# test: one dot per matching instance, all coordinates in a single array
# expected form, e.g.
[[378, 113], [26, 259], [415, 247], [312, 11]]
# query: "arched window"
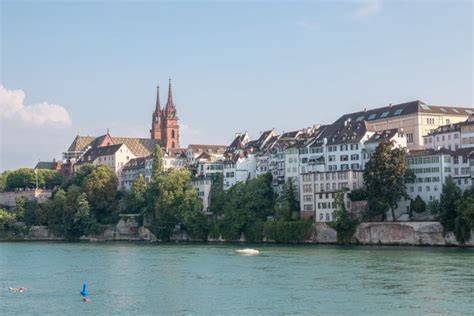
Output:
[[172, 145], [172, 133]]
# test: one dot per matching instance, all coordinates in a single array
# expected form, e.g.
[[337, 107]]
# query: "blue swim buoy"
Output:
[[85, 291]]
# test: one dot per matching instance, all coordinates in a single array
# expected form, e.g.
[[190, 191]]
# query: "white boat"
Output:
[[247, 251]]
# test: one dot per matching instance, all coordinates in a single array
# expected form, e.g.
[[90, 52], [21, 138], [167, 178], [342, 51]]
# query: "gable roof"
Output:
[[140, 147]]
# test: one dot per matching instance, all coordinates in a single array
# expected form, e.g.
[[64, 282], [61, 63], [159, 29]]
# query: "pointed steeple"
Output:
[[170, 109], [158, 106], [170, 95]]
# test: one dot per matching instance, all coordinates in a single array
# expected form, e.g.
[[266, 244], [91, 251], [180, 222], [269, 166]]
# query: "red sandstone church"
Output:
[[164, 132], [165, 127]]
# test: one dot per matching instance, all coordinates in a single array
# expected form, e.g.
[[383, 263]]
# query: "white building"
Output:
[[431, 168], [113, 156], [203, 186]]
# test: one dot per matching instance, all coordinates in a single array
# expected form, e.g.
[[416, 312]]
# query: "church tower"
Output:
[[170, 126], [156, 123]]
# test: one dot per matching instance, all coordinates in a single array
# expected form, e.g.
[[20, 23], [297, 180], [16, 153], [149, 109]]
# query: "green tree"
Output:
[[450, 195], [344, 225], [3, 180], [23, 178], [49, 179], [172, 198], [287, 201], [464, 221], [7, 219], [217, 195], [385, 176], [157, 168], [418, 205], [433, 207], [100, 187]]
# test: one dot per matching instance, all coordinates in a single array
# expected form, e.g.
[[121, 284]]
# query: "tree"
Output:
[[217, 195], [138, 195], [464, 221], [3, 180], [81, 175], [7, 219], [418, 205], [170, 201], [385, 176], [157, 168], [23, 178], [344, 225], [49, 179], [450, 195], [433, 207], [100, 187]]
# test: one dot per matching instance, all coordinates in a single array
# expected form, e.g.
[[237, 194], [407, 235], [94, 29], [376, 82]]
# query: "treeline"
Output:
[[25, 178], [253, 211], [77, 208], [167, 205]]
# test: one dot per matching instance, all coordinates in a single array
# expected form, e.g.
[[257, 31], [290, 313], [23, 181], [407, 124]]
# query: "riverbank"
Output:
[[374, 233]]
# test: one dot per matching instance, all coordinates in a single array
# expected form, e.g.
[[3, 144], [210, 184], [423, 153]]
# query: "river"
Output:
[[200, 279]]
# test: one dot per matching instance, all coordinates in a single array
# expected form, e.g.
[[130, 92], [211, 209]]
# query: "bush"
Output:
[[285, 232]]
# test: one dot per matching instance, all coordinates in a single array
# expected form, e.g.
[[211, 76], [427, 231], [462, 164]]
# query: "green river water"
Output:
[[202, 279]]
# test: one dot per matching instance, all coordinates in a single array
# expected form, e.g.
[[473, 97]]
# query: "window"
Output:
[[419, 189], [430, 121], [344, 158], [172, 133], [328, 217], [360, 118], [307, 198], [384, 114], [455, 160], [398, 112], [409, 137], [321, 216], [372, 116]]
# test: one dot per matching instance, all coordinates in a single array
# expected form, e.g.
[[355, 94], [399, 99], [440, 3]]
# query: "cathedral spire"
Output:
[[170, 109], [158, 106]]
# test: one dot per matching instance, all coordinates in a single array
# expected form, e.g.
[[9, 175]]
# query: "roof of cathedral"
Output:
[[140, 147]]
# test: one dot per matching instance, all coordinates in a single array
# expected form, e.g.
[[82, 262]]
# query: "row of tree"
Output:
[[27, 178]]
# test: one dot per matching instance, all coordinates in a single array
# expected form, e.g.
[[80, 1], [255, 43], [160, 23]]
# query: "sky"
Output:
[[88, 66]]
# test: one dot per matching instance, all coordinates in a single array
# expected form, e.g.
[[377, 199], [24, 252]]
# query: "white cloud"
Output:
[[12, 108], [308, 25], [367, 8]]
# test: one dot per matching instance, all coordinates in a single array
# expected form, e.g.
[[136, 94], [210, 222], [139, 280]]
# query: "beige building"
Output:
[[416, 119], [319, 189]]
